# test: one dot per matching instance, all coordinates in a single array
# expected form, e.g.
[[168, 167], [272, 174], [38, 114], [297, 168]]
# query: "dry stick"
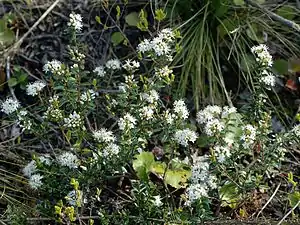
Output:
[[274, 16], [289, 212], [270, 199], [19, 42]]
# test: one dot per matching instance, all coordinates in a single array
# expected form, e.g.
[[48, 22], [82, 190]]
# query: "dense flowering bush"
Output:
[[152, 144]]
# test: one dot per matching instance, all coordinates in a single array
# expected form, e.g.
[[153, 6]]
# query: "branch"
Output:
[[274, 16]]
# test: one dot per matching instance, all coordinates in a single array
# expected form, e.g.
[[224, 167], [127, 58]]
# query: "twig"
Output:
[[289, 212], [8, 77], [275, 16], [14, 48], [270, 199]]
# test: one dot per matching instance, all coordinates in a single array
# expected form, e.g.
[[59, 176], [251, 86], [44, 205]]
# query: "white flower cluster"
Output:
[[113, 64], [160, 45], [268, 78], [157, 201], [111, 150], [34, 88], [164, 72], [23, 121], [249, 135], [264, 58], [147, 112], [73, 121], [10, 105], [296, 130], [151, 97], [87, 96], [169, 117], [55, 67], [103, 135], [45, 159], [181, 110], [75, 22], [202, 181], [35, 180], [76, 55], [53, 112], [100, 71], [211, 117], [30, 169], [69, 160], [183, 137], [263, 55], [127, 122], [222, 153], [131, 65]]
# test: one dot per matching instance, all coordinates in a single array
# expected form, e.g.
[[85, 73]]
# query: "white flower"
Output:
[[100, 71], [213, 127], [23, 121], [45, 159], [169, 117], [249, 135], [10, 105], [296, 130], [30, 169], [131, 65], [163, 72], [75, 21], [157, 201], [35, 181], [263, 55], [34, 88], [144, 46], [127, 122], [87, 96], [268, 78], [147, 112], [73, 197], [228, 110], [201, 180], [184, 136], [73, 121], [222, 153], [103, 135], [54, 67], [113, 64], [181, 110], [151, 97], [68, 159], [110, 150], [208, 113], [160, 45]]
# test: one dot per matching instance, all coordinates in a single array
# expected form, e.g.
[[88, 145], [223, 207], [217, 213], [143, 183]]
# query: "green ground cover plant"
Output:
[[114, 143]]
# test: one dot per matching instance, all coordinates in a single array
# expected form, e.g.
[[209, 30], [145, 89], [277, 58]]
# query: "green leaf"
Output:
[[3, 26], [117, 38], [177, 178], [239, 2], [287, 12], [12, 82], [22, 77], [143, 164], [229, 195], [7, 37], [160, 15], [132, 19], [281, 66], [98, 19], [248, 62], [294, 198]]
